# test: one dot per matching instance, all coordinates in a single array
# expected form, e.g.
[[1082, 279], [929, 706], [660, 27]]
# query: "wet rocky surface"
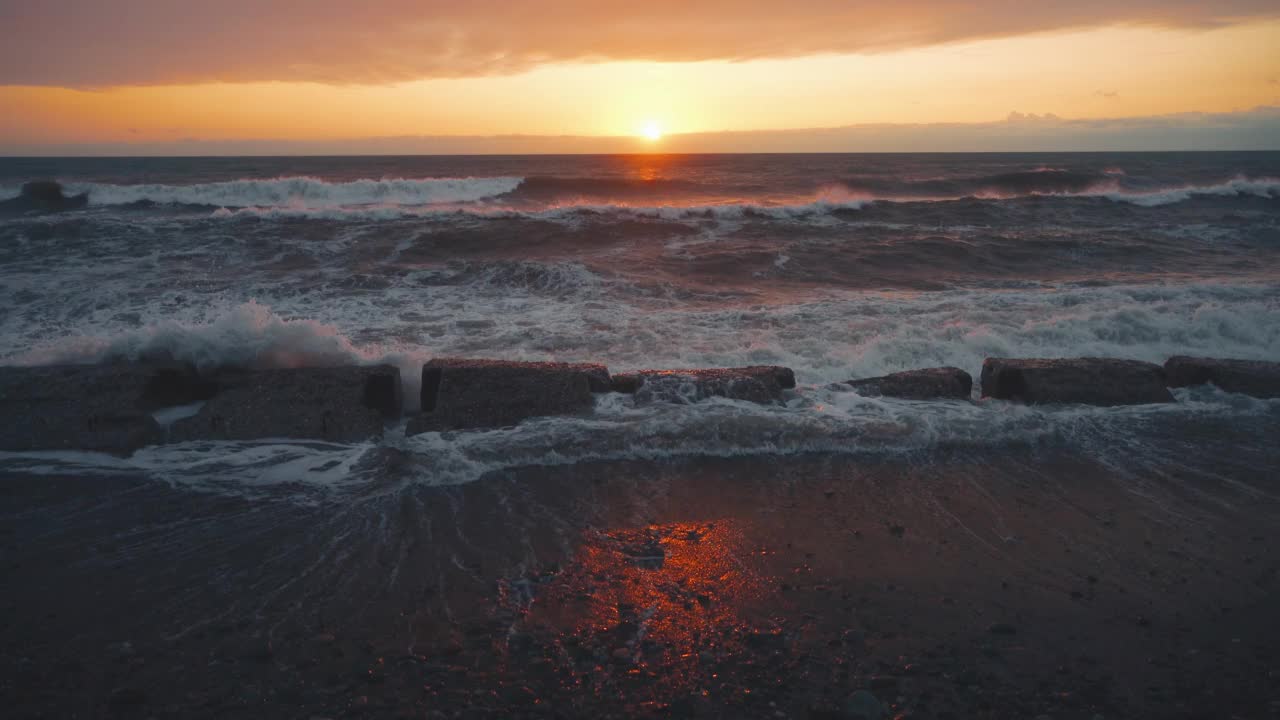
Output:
[[1043, 584]]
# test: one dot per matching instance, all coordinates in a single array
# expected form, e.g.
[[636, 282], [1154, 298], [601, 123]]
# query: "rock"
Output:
[[761, 383], [882, 682], [626, 383], [1089, 381], [460, 393], [1002, 629], [1250, 377], [114, 408], [102, 408], [126, 697], [597, 375], [338, 404], [43, 196], [928, 384], [862, 705]]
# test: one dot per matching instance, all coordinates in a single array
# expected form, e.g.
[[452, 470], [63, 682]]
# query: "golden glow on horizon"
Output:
[[1101, 73], [652, 131]]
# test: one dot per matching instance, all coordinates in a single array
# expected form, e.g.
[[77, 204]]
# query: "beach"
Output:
[[947, 584]]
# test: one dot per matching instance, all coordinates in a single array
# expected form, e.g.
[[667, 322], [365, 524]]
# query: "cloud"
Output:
[[93, 43], [1257, 129], [1108, 94]]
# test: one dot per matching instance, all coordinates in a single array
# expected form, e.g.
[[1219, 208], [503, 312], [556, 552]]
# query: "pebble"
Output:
[[126, 697], [862, 705], [854, 638], [882, 682]]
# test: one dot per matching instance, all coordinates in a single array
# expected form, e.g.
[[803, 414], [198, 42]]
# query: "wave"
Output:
[[558, 279], [303, 192], [545, 197], [830, 201], [1267, 188], [495, 210], [546, 188], [249, 335], [1041, 181], [1056, 183]]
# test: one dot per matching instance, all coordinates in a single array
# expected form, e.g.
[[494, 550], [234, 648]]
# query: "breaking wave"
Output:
[[1268, 188], [1058, 183], [250, 335], [724, 211], [303, 192], [552, 189], [541, 197], [1043, 181]]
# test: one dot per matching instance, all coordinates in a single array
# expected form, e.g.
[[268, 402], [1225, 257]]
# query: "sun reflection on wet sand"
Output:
[[661, 604]]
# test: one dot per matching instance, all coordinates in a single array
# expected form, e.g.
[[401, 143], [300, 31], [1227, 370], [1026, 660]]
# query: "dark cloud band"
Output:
[[86, 43]]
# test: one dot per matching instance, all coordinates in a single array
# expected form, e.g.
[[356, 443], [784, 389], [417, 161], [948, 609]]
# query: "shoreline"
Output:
[[948, 584]]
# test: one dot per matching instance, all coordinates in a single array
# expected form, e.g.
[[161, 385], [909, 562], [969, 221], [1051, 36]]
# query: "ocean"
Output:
[[961, 559], [838, 266]]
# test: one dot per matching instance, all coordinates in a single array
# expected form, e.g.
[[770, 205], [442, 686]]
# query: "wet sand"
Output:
[[956, 584]]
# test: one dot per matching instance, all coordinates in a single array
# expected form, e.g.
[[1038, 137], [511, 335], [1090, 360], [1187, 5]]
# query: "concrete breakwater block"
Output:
[[1088, 381], [928, 384], [466, 393], [78, 407], [1250, 377], [760, 383], [338, 404], [111, 408]]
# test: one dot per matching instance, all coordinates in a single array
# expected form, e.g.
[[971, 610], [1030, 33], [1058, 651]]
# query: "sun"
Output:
[[652, 130]]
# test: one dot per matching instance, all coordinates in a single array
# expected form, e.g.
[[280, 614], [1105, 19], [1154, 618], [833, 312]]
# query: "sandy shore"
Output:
[[944, 586]]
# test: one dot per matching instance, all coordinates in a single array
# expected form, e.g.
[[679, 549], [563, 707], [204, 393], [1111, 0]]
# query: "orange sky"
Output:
[[913, 69]]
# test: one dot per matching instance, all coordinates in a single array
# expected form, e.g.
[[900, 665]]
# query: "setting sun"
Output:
[[652, 131]]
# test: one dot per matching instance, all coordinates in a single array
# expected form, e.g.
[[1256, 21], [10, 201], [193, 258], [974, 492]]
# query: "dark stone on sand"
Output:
[[43, 196], [460, 393], [102, 408], [1088, 381], [862, 705], [760, 383], [1250, 377], [882, 682], [338, 404], [928, 384], [126, 697]]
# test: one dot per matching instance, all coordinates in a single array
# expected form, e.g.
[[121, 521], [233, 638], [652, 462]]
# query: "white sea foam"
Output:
[[815, 420], [304, 192], [1237, 187], [497, 210], [247, 335], [526, 310], [822, 205], [306, 197]]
